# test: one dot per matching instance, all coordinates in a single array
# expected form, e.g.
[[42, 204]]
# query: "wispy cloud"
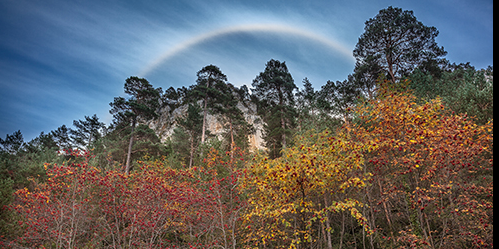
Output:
[[62, 60]]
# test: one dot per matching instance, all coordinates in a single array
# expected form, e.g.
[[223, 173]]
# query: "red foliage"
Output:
[[155, 207]]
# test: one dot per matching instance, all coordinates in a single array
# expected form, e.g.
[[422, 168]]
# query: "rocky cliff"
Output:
[[166, 123]]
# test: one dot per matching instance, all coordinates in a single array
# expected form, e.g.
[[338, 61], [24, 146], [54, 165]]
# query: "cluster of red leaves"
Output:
[[155, 207]]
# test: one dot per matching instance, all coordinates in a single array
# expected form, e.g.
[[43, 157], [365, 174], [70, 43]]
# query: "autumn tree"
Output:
[[395, 40], [432, 172], [142, 103], [273, 93], [292, 198], [20, 162], [82, 206], [56, 212], [220, 180]]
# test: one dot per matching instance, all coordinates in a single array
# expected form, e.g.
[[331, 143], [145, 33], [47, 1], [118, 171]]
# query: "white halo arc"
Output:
[[347, 53]]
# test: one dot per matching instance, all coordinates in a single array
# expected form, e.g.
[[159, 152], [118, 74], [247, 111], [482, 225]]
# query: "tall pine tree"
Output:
[[210, 79], [142, 103], [395, 40], [273, 93]]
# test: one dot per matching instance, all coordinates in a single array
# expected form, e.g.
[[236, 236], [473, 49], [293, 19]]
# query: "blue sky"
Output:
[[63, 60]]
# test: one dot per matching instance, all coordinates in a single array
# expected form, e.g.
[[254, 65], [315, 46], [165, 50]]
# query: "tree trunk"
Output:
[[89, 140], [283, 125], [129, 154], [205, 110], [342, 234], [390, 67], [385, 208], [204, 119], [328, 227], [232, 143], [192, 153]]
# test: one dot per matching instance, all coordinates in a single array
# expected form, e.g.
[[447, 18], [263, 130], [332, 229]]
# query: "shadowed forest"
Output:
[[398, 155]]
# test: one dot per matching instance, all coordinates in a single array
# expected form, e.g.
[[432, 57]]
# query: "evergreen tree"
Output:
[[62, 137], [142, 103], [43, 141], [87, 131], [171, 98], [339, 96], [395, 40], [6, 214], [306, 103], [112, 149], [21, 160], [147, 143], [226, 106], [315, 111], [12, 143], [208, 88], [273, 93], [462, 88], [186, 137], [365, 76]]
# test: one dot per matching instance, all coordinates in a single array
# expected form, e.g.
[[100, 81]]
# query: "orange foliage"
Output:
[[432, 170]]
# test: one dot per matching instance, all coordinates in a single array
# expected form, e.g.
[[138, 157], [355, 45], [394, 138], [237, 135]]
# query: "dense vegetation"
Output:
[[399, 155]]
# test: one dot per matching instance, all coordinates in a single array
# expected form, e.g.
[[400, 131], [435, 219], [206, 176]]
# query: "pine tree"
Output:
[[189, 132], [273, 93], [87, 131], [339, 96], [142, 103], [209, 81], [395, 40], [226, 106]]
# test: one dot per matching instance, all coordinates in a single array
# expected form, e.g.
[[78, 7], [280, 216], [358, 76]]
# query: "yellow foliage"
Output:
[[309, 180]]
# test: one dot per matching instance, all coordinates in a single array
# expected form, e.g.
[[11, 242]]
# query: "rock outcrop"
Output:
[[165, 124]]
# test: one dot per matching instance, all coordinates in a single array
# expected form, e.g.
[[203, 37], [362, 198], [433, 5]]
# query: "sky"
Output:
[[63, 60]]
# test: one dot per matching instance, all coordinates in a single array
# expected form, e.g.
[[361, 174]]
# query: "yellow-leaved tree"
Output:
[[293, 199]]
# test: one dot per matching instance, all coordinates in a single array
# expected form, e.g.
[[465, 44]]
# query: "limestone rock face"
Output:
[[165, 124], [256, 139]]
